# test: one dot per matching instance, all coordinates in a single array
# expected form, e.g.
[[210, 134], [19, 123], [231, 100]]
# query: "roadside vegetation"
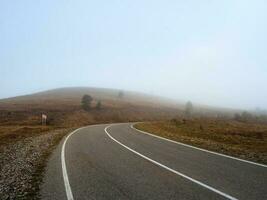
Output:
[[243, 139], [241, 134]]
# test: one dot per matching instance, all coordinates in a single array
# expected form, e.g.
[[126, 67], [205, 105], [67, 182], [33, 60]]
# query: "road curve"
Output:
[[118, 162]]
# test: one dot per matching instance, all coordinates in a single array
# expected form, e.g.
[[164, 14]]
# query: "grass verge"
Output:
[[243, 140]]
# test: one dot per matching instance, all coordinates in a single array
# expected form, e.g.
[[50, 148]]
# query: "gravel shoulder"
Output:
[[23, 160]]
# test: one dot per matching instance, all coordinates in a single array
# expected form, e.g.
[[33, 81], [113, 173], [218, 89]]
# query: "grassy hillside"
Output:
[[72, 96], [64, 109]]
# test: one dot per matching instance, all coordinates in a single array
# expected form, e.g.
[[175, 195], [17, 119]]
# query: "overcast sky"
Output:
[[211, 52]]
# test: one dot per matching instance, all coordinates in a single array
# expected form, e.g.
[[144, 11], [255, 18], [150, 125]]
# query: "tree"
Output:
[[86, 102], [121, 94], [99, 105], [188, 109], [246, 116], [237, 117]]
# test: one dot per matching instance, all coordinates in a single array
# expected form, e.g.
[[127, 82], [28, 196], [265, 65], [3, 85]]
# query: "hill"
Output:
[[63, 107]]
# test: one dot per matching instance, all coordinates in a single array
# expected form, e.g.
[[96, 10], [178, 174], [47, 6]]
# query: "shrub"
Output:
[[121, 94], [86, 102], [99, 105], [188, 109]]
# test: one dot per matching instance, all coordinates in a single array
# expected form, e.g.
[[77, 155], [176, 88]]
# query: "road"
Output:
[[119, 162]]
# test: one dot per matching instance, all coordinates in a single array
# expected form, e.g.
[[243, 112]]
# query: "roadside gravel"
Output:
[[22, 164]]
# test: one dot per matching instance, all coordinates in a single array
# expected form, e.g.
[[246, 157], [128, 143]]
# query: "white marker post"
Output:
[[44, 119]]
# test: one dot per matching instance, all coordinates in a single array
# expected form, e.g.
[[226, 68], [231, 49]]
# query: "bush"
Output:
[[86, 102], [188, 109], [121, 94], [99, 105], [244, 117]]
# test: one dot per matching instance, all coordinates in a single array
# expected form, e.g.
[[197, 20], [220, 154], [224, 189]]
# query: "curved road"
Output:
[[119, 162]]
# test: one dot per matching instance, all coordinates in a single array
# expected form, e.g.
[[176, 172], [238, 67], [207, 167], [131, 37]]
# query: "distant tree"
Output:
[[189, 109], [86, 102], [121, 94], [246, 116], [99, 105], [237, 117]]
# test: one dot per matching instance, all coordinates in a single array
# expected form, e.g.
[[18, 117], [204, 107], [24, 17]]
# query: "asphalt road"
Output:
[[118, 162]]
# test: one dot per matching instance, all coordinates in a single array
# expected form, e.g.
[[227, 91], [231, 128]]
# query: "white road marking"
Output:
[[64, 169], [171, 170], [63, 163], [186, 145]]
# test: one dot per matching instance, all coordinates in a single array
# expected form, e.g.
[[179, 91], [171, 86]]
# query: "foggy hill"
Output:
[[63, 106], [73, 96]]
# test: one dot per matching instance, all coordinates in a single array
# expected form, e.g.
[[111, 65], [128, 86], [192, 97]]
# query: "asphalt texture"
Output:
[[100, 168]]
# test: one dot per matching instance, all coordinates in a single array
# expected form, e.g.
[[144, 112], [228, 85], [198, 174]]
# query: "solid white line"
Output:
[[186, 145], [63, 164], [171, 170], [64, 169]]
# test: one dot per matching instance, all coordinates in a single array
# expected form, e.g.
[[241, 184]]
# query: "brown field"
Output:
[[243, 140]]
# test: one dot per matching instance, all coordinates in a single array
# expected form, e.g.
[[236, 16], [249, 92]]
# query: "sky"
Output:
[[210, 52]]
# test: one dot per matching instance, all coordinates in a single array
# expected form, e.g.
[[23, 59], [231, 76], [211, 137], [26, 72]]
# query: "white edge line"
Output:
[[63, 163], [186, 145], [64, 169], [171, 170]]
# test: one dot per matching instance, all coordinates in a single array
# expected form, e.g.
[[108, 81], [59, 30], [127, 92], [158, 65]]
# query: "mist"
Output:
[[211, 53]]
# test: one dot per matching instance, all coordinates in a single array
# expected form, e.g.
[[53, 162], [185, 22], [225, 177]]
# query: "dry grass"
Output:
[[10, 134], [64, 109], [244, 140]]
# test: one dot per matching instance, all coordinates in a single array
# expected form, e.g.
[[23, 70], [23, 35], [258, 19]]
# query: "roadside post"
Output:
[[44, 119]]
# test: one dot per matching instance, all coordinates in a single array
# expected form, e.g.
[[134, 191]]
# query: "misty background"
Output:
[[209, 52]]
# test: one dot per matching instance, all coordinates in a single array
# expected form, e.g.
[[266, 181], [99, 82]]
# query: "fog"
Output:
[[209, 52]]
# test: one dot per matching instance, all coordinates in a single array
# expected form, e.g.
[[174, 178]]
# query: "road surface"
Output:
[[119, 162]]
